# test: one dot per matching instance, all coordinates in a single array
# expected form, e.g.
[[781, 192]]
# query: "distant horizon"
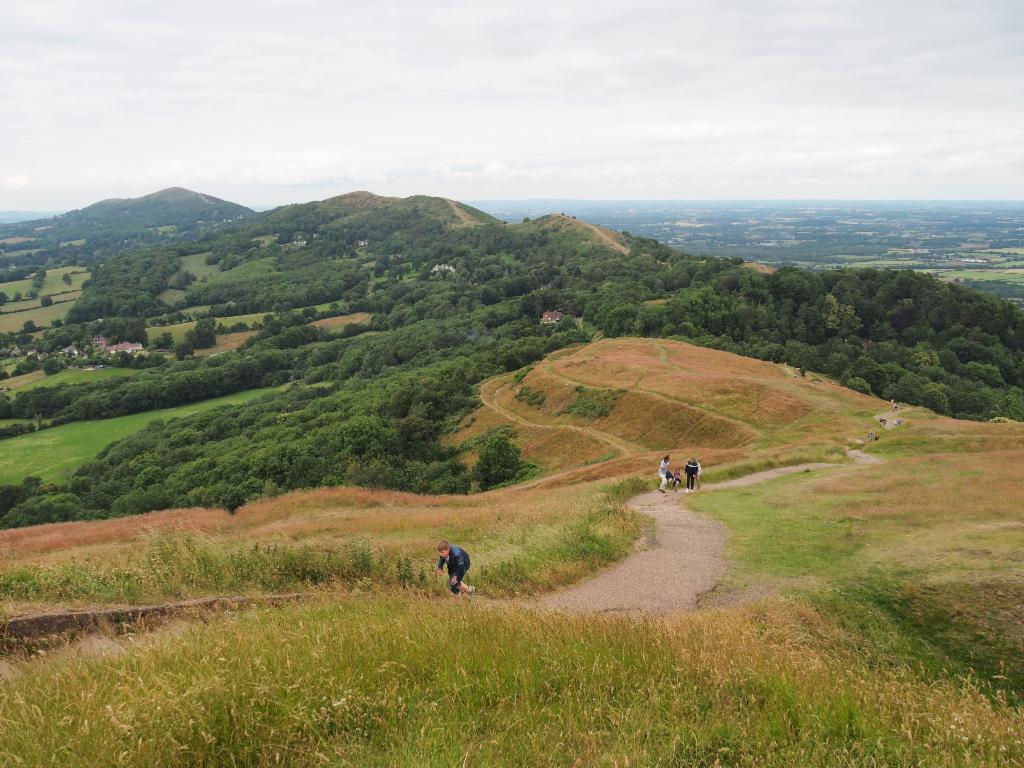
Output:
[[17, 215]]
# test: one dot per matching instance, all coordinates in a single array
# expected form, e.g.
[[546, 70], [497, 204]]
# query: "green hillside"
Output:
[[116, 225]]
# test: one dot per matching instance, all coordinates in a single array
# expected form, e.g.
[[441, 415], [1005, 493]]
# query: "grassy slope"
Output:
[[523, 541], [52, 452], [906, 580], [383, 682]]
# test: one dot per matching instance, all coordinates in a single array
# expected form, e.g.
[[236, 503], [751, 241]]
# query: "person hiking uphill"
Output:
[[457, 560], [692, 468], [663, 473]]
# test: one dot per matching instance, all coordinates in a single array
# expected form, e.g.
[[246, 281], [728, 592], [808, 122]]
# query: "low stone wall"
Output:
[[31, 628]]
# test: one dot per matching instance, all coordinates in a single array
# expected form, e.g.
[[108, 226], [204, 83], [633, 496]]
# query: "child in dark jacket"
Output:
[[457, 560]]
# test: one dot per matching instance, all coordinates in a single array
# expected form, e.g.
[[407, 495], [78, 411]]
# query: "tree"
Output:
[[500, 461], [46, 301], [933, 395], [857, 384], [52, 365], [204, 335]]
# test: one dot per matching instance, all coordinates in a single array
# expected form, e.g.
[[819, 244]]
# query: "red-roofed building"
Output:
[[551, 317]]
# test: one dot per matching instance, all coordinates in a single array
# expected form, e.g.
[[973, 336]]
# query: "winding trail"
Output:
[[684, 559], [490, 400]]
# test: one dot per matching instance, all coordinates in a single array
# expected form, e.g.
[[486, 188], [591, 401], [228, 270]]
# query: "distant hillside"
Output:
[[355, 207], [113, 226]]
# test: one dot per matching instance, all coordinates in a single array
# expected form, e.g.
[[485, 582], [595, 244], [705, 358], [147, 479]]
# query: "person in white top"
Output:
[[663, 473]]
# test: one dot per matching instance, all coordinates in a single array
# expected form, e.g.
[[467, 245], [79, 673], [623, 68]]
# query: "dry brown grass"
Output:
[[341, 320], [674, 398], [226, 342], [28, 544], [325, 514]]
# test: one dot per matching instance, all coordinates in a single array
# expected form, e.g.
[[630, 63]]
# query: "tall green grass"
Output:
[[412, 682]]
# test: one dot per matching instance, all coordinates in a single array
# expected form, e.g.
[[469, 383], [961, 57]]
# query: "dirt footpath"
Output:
[[684, 559]]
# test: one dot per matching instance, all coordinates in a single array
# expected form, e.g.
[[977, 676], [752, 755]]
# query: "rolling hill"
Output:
[[113, 226]]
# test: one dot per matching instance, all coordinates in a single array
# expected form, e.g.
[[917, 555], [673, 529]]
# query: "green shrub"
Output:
[[594, 403]]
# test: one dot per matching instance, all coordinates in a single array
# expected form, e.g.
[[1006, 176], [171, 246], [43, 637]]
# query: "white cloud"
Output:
[[17, 181], [268, 102]]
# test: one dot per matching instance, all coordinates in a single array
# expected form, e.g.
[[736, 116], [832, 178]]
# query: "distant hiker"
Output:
[[677, 480], [899, 422], [881, 420], [457, 560], [663, 473], [692, 468], [871, 436], [699, 470], [893, 404]]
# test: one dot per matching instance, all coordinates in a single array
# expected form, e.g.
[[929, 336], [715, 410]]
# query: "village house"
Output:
[[362, 243], [71, 351], [131, 347], [551, 317], [99, 342], [438, 268]]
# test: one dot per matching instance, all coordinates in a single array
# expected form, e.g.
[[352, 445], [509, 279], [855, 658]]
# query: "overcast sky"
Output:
[[272, 102]]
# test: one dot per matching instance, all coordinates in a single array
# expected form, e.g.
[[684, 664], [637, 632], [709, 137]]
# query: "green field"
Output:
[[51, 453], [996, 275], [29, 304], [178, 330], [171, 296], [77, 376], [196, 264], [53, 283], [43, 317], [248, 269]]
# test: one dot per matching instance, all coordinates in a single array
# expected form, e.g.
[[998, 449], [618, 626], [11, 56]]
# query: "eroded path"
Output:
[[684, 559]]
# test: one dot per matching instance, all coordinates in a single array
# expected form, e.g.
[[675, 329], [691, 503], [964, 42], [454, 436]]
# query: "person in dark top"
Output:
[[457, 560], [692, 468]]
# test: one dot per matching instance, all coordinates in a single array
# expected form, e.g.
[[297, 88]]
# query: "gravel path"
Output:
[[684, 559]]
